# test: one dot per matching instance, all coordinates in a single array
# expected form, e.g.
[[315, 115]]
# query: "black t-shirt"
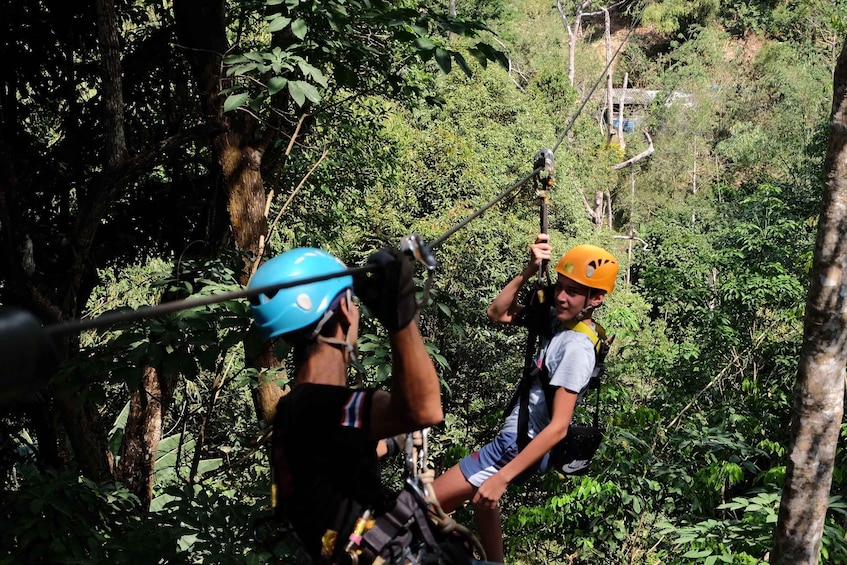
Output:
[[322, 456]]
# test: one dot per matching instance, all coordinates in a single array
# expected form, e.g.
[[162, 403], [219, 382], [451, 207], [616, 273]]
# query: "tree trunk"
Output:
[[113, 102], [79, 414], [237, 155], [143, 432], [574, 30], [598, 208], [610, 112], [83, 424], [819, 391], [621, 111]]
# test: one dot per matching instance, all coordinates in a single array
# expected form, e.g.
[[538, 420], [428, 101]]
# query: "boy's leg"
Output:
[[490, 532], [451, 488]]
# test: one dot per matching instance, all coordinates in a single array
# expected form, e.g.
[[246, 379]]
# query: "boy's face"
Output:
[[572, 297]]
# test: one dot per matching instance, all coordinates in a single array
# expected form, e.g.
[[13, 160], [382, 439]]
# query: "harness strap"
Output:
[[533, 371], [406, 514], [596, 335]]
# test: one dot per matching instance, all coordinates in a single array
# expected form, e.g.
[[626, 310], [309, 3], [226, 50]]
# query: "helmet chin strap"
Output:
[[586, 309], [349, 345]]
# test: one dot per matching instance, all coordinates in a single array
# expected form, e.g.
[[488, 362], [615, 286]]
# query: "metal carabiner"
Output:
[[414, 246], [545, 161]]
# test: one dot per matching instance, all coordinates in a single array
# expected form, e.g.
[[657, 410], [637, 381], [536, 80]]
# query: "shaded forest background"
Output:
[[156, 150]]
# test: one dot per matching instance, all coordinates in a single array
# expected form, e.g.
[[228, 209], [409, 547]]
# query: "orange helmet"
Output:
[[591, 266]]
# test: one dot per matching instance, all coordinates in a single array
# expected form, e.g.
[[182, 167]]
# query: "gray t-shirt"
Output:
[[570, 359]]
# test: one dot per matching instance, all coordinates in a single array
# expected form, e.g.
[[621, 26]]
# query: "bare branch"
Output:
[[643, 155], [512, 68]]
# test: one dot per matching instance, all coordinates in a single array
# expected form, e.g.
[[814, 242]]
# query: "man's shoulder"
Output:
[[318, 403]]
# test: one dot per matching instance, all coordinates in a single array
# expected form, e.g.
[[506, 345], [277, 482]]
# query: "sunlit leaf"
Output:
[[233, 101], [300, 90], [278, 23], [275, 84], [299, 28]]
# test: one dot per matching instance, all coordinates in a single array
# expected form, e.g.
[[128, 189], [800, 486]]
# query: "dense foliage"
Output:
[[715, 230]]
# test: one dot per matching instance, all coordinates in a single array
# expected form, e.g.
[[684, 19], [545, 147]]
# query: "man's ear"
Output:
[[345, 308]]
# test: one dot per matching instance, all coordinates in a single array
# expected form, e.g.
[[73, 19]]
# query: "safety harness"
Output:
[[416, 529], [573, 454]]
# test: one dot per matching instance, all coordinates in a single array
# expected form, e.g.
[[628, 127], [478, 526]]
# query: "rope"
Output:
[[187, 303], [418, 470]]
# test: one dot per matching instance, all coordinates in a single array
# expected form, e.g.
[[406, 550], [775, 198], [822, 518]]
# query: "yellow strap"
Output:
[[582, 327]]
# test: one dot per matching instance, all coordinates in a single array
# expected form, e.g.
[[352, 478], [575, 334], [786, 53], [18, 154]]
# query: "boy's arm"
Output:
[[564, 403], [505, 308]]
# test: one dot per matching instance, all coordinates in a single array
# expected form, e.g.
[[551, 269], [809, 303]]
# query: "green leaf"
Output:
[[310, 71], [276, 84], [299, 28], [234, 59], [300, 90], [442, 57], [460, 60], [694, 553], [186, 542], [424, 44], [207, 465], [296, 91], [168, 443], [117, 432], [255, 103], [233, 101], [278, 23]]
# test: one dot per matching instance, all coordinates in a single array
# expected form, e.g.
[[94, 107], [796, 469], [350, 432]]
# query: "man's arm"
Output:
[[505, 308], [415, 398]]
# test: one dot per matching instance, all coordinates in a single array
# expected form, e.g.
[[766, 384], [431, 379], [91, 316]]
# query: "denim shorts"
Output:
[[493, 456]]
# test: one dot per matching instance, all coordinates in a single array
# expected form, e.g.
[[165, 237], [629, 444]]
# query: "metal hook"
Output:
[[545, 161], [414, 246]]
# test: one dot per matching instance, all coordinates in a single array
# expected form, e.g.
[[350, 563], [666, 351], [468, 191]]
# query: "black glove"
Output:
[[388, 291], [28, 357]]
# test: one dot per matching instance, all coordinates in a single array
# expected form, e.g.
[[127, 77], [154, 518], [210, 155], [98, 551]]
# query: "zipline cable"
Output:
[[187, 303], [559, 141], [585, 100], [113, 318], [482, 209]]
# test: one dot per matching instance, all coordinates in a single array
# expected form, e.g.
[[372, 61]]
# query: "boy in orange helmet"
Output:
[[586, 274]]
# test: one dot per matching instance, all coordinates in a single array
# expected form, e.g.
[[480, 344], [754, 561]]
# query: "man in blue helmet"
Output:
[[326, 434]]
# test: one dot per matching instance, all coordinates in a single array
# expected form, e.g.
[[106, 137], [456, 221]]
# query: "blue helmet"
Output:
[[297, 307]]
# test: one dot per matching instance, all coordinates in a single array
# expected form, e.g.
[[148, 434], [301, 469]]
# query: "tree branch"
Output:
[[643, 155]]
